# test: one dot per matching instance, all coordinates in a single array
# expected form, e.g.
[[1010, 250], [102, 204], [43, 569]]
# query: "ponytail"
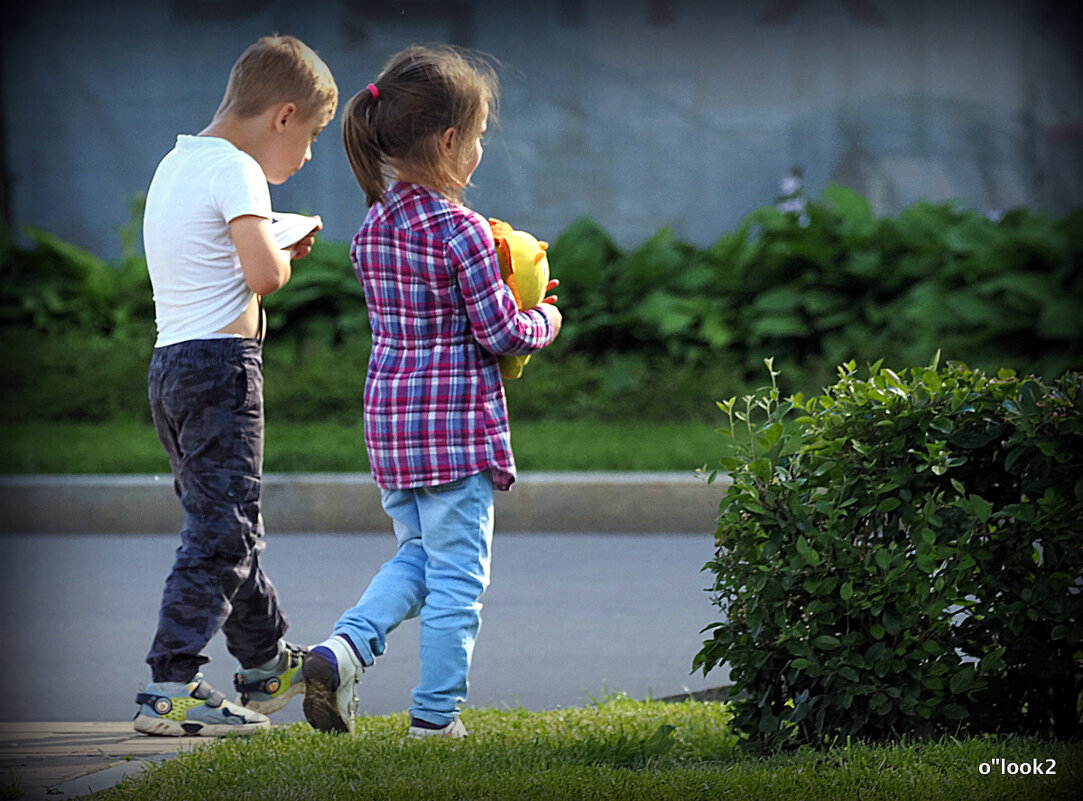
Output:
[[396, 127], [362, 148]]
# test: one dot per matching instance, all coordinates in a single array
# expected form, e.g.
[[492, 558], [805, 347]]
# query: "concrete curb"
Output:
[[594, 502]]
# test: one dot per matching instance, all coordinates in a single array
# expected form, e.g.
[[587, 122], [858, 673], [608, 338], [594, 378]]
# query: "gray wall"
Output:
[[641, 114]]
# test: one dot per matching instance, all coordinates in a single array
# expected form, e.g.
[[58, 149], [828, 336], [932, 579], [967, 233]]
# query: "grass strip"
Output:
[[133, 447], [616, 749]]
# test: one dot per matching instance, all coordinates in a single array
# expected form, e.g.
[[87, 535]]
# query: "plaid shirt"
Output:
[[435, 409]]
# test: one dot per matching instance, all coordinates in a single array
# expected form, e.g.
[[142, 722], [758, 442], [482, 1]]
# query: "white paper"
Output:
[[289, 229]]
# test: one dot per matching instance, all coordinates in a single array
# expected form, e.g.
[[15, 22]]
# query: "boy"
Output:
[[211, 254]]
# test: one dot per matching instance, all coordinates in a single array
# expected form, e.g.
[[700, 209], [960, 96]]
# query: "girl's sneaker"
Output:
[[175, 709], [422, 728], [267, 689], [331, 671]]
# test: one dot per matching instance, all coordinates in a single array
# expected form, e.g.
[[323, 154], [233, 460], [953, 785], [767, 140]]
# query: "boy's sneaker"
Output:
[[422, 728], [266, 690], [331, 672], [175, 709]]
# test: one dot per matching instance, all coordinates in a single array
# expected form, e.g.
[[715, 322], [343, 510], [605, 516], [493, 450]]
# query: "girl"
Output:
[[436, 422]]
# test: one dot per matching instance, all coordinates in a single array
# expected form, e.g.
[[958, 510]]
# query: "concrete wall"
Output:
[[640, 114]]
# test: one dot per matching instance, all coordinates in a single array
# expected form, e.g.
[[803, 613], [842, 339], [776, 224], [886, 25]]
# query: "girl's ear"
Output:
[[448, 140]]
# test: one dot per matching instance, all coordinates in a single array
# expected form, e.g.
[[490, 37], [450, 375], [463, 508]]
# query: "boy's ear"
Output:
[[282, 115]]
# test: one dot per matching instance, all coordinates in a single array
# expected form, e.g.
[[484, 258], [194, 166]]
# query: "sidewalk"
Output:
[[66, 760]]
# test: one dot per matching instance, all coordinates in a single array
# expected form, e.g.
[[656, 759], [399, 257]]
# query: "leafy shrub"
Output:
[[831, 285], [308, 380], [850, 286], [903, 555], [323, 301], [74, 375], [667, 298], [58, 286], [565, 385]]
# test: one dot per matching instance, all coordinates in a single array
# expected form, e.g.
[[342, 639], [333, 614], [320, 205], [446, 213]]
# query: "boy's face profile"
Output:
[[291, 146]]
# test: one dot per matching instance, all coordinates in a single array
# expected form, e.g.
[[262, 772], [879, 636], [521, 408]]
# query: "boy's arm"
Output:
[[266, 266]]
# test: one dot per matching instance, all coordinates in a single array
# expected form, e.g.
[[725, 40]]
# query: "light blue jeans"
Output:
[[439, 572]]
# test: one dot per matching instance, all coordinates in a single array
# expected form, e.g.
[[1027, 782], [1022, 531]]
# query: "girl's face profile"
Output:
[[472, 150]]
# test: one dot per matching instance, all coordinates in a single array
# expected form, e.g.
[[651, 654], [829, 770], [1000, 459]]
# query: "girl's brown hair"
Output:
[[420, 93], [278, 69]]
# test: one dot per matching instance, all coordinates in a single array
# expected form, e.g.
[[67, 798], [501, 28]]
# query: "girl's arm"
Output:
[[498, 323]]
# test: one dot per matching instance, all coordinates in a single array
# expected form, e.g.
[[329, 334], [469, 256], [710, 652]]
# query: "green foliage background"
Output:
[[846, 285], [655, 333]]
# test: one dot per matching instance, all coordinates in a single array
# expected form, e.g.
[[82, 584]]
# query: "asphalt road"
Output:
[[568, 618]]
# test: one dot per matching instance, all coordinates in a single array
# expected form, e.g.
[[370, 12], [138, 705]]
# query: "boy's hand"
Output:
[[303, 247]]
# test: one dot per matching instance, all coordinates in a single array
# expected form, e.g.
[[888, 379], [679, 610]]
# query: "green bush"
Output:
[[74, 375], [323, 301], [309, 380], [58, 286], [565, 385], [903, 555], [837, 285]]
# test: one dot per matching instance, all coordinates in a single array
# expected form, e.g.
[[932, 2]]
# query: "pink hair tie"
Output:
[[373, 90]]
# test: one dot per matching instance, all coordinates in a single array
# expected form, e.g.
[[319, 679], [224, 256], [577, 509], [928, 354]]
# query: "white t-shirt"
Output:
[[198, 188]]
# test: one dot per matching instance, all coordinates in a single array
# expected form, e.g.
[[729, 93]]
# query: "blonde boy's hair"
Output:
[[278, 69]]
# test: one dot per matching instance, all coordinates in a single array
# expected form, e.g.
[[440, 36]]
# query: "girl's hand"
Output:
[[556, 319], [549, 306]]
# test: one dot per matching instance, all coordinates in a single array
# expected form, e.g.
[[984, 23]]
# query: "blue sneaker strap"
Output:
[[268, 685], [161, 704]]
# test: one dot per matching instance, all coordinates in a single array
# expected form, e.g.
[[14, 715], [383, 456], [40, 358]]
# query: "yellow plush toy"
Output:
[[525, 268]]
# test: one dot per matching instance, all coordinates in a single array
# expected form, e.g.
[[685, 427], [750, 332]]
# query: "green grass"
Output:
[[91, 448], [615, 750]]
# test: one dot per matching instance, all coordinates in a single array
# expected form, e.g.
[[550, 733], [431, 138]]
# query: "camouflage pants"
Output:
[[206, 397]]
